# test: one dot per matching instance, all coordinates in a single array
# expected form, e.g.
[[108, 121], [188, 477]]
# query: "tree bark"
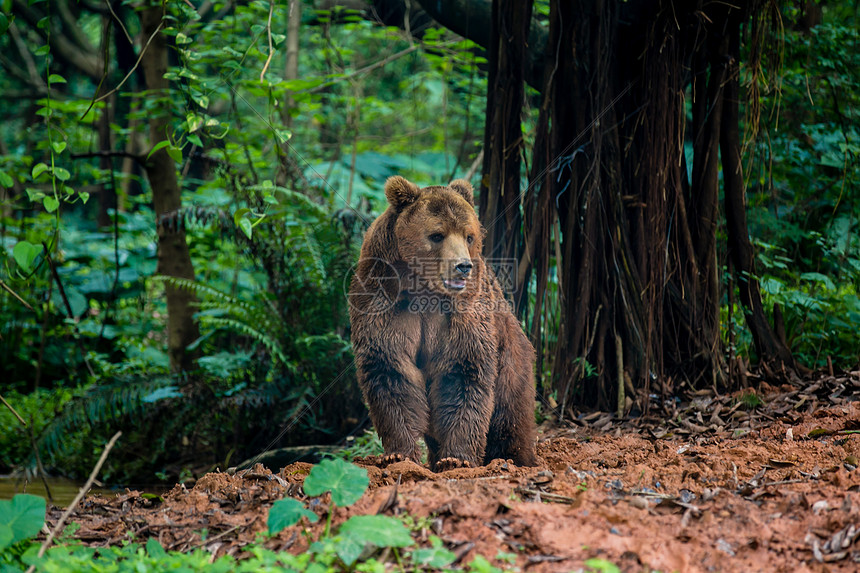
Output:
[[770, 348], [499, 204], [174, 259]]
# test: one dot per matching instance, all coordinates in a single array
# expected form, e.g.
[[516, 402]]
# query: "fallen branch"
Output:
[[217, 537], [546, 496], [86, 487]]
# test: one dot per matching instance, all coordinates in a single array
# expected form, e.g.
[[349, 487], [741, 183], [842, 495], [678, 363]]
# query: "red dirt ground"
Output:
[[712, 487]]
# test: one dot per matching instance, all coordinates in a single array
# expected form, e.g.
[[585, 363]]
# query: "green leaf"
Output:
[[38, 169], [23, 515], [85, 196], [194, 122], [246, 227], [346, 482], [51, 203], [42, 50], [162, 394], [154, 549], [202, 101], [195, 139], [175, 153], [436, 556], [62, 173], [56, 79], [156, 147], [348, 549], [5, 180], [25, 253], [602, 565], [58, 146], [286, 512], [239, 214], [4, 23], [379, 530], [6, 536], [828, 282]]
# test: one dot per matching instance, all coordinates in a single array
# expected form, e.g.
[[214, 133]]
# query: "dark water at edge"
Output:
[[63, 490]]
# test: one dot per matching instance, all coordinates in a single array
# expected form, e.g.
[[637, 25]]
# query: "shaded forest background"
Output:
[[184, 187]]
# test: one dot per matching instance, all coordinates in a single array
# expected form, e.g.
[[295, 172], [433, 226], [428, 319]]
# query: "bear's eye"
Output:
[[437, 237], [470, 239]]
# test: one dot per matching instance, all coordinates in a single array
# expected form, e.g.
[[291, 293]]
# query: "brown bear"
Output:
[[438, 351]]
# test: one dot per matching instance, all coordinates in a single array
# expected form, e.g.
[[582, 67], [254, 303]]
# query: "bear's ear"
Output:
[[401, 192], [464, 188]]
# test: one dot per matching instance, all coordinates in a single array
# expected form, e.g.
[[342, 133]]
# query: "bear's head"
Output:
[[438, 235]]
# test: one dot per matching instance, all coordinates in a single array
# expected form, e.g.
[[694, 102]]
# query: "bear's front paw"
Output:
[[389, 459], [446, 464]]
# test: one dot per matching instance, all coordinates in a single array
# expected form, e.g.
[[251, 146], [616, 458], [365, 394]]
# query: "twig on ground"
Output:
[[77, 500], [546, 496], [217, 537]]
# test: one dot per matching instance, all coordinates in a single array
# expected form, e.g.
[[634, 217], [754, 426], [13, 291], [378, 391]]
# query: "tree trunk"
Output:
[[499, 203], [174, 259], [770, 348], [612, 215]]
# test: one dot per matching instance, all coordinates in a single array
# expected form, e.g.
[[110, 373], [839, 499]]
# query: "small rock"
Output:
[[725, 547], [820, 506], [639, 502]]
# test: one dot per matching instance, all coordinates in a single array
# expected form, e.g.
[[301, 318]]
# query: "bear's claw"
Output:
[[446, 464], [389, 459]]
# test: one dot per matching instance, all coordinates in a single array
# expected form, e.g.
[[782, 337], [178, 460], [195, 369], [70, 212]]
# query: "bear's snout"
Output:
[[464, 267]]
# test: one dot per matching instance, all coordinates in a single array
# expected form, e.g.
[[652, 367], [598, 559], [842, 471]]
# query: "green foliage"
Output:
[[279, 178], [601, 566], [803, 173], [346, 482], [38, 409], [434, 556], [287, 512], [23, 517], [750, 400], [378, 530], [367, 444]]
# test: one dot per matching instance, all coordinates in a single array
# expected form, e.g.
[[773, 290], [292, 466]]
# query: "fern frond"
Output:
[[295, 197], [262, 307], [101, 404], [271, 345]]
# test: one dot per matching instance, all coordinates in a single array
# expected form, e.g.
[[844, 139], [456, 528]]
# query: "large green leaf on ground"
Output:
[[346, 482], [20, 517], [286, 512]]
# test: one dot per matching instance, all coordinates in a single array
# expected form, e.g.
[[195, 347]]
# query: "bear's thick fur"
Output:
[[438, 352]]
